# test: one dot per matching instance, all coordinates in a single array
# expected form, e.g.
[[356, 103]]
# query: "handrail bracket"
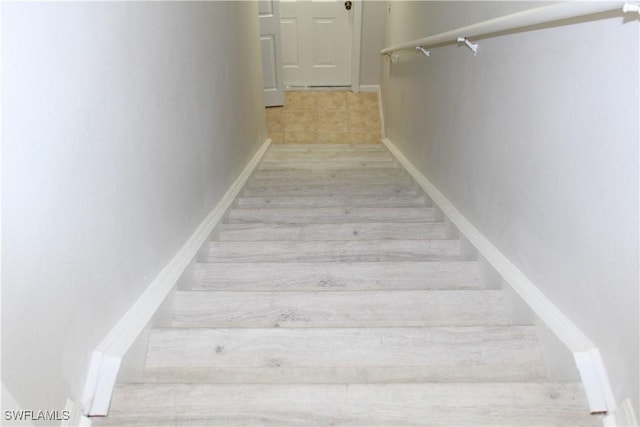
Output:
[[423, 50], [472, 46]]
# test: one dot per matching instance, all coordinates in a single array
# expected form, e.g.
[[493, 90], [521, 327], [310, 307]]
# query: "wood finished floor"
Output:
[[333, 294]]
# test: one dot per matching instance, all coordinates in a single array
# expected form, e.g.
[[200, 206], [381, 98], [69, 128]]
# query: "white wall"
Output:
[[123, 126], [535, 141], [372, 41]]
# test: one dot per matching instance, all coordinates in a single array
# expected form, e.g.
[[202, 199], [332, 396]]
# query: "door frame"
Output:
[[356, 44]]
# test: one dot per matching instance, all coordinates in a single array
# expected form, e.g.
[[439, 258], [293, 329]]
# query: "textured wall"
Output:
[[123, 126], [535, 141], [373, 13]]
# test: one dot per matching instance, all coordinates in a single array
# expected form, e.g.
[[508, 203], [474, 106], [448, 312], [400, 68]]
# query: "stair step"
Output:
[[312, 176], [353, 188], [352, 200], [273, 276], [348, 231], [339, 309], [495, 404], [328, 165], [314, 148], [326, 156], [332, 215], [335, 179], [336, 251], [344, 355]]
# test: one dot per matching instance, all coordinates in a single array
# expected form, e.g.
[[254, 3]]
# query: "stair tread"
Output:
[[327, 155], [391, 176], [346, 231], [333, 200], [332, 215], [355, 188], [336, 276], [335, 250], [339, 309], [499, 404], [344, 355], [326, 147], [327, 175], [328, 165]]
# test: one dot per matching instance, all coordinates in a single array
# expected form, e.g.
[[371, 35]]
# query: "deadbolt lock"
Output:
[[347, 5]]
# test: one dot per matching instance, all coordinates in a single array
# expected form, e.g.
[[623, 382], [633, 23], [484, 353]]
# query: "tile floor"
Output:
[[332, 117]]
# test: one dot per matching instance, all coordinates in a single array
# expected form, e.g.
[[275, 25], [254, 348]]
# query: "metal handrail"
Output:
[[537, 16]]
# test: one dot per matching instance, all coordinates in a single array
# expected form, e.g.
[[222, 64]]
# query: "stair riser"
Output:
[[339, 309], [322, 232]]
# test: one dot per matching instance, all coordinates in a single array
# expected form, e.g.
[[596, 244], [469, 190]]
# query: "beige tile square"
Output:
[[331, 100], [277, 137], [362, 100], [366, 137], [300, 137], [333, 137], [299, 121], [300, 100], [332, 121], [364, 121], [274, 119]]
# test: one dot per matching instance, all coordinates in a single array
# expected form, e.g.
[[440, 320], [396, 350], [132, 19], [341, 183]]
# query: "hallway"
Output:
[[325, 117]]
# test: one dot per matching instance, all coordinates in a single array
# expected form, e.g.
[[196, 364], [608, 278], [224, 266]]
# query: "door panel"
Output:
[[290, 57], [316, 43], [324, 42], [270, 71], [269, 17]]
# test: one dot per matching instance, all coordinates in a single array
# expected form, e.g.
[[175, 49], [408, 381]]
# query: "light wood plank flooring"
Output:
[[333, 294]]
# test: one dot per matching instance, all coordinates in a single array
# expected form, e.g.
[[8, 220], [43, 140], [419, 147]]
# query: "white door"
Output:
[[269, 15], [316, 42]]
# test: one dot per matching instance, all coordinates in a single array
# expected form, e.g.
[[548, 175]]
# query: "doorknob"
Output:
[[347, 5]]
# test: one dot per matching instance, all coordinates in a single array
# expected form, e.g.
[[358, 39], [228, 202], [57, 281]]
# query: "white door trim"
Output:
[[270, 29], [356, 41]]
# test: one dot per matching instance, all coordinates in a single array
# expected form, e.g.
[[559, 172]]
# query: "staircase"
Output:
[[333, 295]]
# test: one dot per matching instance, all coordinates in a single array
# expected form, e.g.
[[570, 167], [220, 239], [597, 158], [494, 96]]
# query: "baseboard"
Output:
[[588, 360], [107, 357], [75, 416], [624, 416], [369, 88], [381, 110]]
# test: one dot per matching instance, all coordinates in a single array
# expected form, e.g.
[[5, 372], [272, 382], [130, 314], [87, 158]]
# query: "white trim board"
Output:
[[381, 108], [587, 357], [356, 44], [106, 358], [624, 416], [370, 88]]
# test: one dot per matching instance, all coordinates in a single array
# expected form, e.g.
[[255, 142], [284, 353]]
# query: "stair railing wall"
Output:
[[586, 354]]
